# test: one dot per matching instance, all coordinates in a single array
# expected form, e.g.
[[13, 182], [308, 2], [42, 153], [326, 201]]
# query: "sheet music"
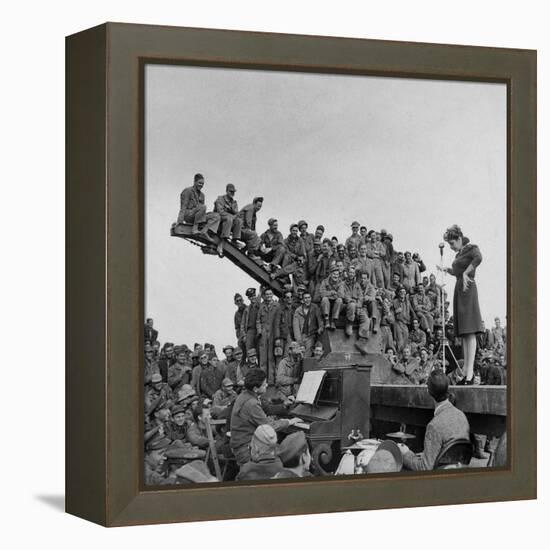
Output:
[[311, 382]]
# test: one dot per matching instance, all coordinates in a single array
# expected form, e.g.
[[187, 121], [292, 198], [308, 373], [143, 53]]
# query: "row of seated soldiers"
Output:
[[302, 257]]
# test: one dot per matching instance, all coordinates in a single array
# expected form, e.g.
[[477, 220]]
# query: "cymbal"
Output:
[[401, 435]]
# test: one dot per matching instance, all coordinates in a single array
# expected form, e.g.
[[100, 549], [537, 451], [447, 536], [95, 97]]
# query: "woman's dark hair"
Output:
[[453, 233], [254, 379]]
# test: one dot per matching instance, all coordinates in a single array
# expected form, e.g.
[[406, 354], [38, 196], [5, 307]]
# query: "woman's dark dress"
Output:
[[466, 314]]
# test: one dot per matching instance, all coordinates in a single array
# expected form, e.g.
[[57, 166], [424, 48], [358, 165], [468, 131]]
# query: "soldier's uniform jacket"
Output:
[[190, 198], [151, 367], [386, 316], [295, 246], [322, 267], [283, 322], [226, 204], [272, 238], [150, 334], [249, 318], [406, 372], [179, 375], [175, 432], [197, 436], [421, 303], [417, 337], [332, 290], [248, 216], [308, 242], [354, 240], [367, 294], [411, 274], [376, 250], [363, 265], [307, 323], [156, 399], [403, 311], [265, 322], [352, 291], [210, 380], [238, 319], [288, 371]]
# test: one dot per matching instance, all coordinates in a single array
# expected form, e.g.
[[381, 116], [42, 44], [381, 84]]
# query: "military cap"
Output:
[[271, 221], [300, 223], [293, 445], [251, 352], [156, 378], [293, 225], [230, 187], [158, 443], [383, 232], [258, 199], [178, 409], [321, 227], [316, 240], [226, 382], [390, 237], [228, 346], [301, 287], [340, 246], [237, 295], [265, 434], [387, 458], [185, 392], [333, 268], [250, 292], [355, 224], [294, 345]]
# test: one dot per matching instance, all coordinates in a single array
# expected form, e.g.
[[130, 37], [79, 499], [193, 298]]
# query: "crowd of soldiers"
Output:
[[362, 284]]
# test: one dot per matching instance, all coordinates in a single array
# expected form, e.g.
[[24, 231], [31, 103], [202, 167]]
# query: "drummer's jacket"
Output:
[[448, 423]]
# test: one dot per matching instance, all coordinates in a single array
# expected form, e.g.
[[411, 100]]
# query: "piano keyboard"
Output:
[[302, 425]]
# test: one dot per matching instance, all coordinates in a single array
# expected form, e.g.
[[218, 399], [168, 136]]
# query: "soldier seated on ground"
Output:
[[264, 462], [295, 456]]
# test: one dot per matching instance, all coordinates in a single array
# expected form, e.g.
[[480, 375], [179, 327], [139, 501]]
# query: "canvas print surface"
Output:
[[325, 275]]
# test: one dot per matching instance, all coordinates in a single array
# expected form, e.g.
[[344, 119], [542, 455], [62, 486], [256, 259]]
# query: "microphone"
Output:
[[441, 247]]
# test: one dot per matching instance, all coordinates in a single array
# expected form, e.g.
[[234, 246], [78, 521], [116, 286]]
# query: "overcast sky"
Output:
[[410, 156]]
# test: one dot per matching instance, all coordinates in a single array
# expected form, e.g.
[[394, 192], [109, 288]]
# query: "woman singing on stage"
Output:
[[466, 315]]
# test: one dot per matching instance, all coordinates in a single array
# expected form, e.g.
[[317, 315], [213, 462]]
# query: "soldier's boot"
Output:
[[332, 325], [327, 322], [219, 249], [349, 329]]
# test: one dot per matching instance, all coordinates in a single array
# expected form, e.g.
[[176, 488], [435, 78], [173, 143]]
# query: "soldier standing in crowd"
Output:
[[193, 210], [230, 223], [376, 252], [210, 377], [364, 264], [223, 399], [403, 317], [289, 371], [151, 366], [180, 372], [411, 274], [355, 238], [228, 365], [332, 293], [248, 323], [237, 319], [307, 323], [150, 334], [168, 358], [248, 228], [251, 362], [283, 320], [265, 329], [306, 237]]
